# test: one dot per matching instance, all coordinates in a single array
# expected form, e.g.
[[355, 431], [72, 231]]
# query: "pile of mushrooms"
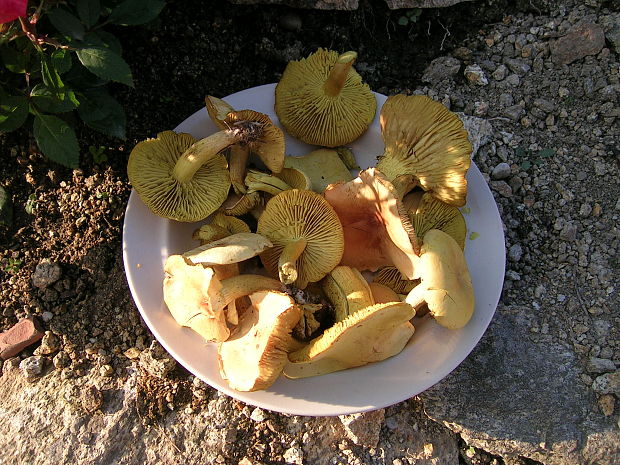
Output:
[[301, 268]]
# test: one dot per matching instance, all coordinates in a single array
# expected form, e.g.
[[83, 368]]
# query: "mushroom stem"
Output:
[[286, 264], [245, 284], [201, 152], [392, 168], [257, 181], [239, 155], [338, 74]]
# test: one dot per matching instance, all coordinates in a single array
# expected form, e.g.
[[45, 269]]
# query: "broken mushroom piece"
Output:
[[254, 357], [321, 99], [377, 231], [445, 285], [425, 145], [178, 177], [231, 249], [306, 234], [365, 336], [196, 297], [323, 167]]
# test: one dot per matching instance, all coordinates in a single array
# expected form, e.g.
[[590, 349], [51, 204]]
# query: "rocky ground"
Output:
[[538, 84]]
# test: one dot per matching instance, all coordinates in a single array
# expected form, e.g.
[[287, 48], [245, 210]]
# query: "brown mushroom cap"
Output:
[[149, 169], [376, 229], [254, 357], [321, 99], [425, 145], [306, 234]]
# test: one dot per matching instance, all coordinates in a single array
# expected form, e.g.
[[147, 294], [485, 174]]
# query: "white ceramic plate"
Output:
[[432, 353]]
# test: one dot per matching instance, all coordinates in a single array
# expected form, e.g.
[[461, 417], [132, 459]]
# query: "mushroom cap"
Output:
[[377, 231], [425, 145], [188, 291], [322, 166], [294, 215], [427, 212], [310, 115], [254, 357], [238, 205], [355, 341], [295, 178], [382, 293], [149, 170], [231, 249], [218, 109], [446, 283], [269, 145]]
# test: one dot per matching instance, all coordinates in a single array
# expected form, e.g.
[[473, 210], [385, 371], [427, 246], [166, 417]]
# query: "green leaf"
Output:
[[526, 165], [106, 64], [56, 140], [134, 12], [61, 60], [546, 153], [50, 76], [50, 102], [102, 112], [88, 11], [13, 112], [403, 20], [66, 23], [520, 151], [14, 60], [103, 39], [79, 77]]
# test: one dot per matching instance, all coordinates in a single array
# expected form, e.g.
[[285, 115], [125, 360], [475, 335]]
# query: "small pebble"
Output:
[[32, 367]]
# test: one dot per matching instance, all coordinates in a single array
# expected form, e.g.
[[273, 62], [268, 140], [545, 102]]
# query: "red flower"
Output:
[[12, 9]]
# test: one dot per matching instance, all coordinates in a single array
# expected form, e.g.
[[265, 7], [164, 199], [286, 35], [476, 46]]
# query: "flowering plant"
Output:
[[57, 61]]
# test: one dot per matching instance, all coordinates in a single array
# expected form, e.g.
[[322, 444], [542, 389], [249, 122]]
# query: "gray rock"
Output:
[[513, 396], [582, 40], [514, 112], [517, 66], [441, 68], [45, 274], [609, 383], [479, 131], [501, 171], [513, 80], [32, 367], [501, 187], [500, 73], [364, 428], [475, 75], [545, 105], [569, 232], [613, 36], [600, 365], [515, 252], [156, 361]]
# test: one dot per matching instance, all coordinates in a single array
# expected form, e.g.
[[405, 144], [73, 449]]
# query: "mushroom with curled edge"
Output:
[[426, 146], [197, 298], [178, 177], [321, 99], [369, 335], [322, 166], [220, 226], [271, 156], [306, 234], [427, 212], [377, 231], [445, 285], [255, 355]]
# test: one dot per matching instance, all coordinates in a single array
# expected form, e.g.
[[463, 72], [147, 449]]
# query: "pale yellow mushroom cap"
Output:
[[425, 145], [319, 114], [150, 167]]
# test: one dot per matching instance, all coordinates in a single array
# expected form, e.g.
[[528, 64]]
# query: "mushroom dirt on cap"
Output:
[[425, 145], [307, 237], [322, 100]]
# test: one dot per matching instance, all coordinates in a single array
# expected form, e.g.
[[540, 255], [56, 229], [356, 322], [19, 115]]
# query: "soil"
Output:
[[74, 217]]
